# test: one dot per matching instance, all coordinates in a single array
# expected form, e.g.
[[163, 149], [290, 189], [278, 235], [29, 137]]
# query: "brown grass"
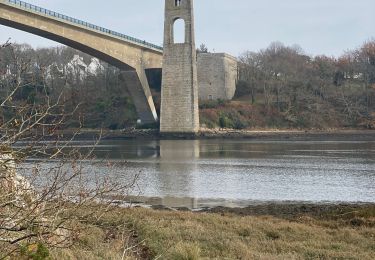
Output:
[[187, 235]]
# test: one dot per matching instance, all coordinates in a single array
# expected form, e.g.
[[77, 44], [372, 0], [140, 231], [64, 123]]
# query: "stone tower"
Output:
[[179, 98]]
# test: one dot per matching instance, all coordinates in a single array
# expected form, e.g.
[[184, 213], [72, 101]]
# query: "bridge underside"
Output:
[[131, 58]]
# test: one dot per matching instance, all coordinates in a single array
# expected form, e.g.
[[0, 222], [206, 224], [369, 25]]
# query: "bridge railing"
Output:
[[27, 6]]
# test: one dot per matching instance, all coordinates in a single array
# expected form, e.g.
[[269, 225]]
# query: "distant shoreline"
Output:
[[302, 135]]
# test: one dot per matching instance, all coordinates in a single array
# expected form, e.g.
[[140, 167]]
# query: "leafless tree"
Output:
[[311, 91], [42, 177]]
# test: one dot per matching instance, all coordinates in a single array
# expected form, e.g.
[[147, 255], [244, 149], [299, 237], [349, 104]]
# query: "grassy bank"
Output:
[[263, 232]]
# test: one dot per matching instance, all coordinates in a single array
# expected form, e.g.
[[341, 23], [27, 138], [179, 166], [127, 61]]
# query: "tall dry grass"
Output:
[[187, 235]]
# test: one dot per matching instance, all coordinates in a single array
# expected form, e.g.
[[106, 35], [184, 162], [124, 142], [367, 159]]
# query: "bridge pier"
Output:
[[138, 87], [179, 97]]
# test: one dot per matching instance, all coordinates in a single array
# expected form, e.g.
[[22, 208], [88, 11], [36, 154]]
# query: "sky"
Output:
[[327, 27]]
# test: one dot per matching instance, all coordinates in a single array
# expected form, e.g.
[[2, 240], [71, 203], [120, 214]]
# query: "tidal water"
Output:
[[198, 173]]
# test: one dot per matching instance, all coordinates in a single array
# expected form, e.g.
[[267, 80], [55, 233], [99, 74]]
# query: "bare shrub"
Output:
[[42, 176]]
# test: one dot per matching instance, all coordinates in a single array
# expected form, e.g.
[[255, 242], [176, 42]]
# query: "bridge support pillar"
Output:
[[137, 85], [179, 98]]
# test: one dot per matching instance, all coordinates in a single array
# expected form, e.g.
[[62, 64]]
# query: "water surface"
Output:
[[197, 173]]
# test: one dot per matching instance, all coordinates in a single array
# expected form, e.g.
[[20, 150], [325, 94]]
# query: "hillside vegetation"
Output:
[[278, 87], [281, 87]]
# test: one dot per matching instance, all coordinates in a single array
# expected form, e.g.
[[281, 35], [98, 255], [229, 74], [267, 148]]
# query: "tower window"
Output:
[[179, 31], [177, 2]]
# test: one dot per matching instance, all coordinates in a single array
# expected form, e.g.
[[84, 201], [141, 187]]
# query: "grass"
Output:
[[151, 234]]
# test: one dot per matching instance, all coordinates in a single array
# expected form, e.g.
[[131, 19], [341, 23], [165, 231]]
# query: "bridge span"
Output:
[[132, 56]]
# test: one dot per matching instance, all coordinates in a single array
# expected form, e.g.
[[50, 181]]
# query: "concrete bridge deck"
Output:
[[132, 56]]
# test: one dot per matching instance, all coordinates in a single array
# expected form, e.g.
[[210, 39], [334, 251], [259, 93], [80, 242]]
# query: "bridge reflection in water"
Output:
[[177, 157], [194, 174]]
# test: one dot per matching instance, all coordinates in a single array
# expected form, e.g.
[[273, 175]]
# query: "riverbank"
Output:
[[260, 134], [305, 232]]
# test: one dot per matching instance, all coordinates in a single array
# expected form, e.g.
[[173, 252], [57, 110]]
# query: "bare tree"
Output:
[[42, 178]]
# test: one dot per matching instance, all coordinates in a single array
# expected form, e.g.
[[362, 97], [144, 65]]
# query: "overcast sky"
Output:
[[318, 26]]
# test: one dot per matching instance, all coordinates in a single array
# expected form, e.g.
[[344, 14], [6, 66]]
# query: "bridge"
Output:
[[132, 56]]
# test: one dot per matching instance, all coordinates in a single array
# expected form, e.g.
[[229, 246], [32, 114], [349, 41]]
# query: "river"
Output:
[[203, 173]]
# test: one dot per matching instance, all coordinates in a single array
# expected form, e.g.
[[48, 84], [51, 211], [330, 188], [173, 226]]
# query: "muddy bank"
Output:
[[297, 210], [291, 134], [292, 210]]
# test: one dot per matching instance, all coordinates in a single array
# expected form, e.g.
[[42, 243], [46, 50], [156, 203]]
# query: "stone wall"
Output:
[[217, 76]]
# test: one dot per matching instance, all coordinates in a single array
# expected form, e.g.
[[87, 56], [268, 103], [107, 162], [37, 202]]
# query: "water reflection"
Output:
[[193, 173], [177, 167]]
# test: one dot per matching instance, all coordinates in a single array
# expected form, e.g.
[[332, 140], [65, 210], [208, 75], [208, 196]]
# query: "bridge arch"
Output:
[[132, 56]]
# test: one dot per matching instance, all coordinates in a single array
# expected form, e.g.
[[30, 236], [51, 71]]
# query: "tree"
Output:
[[317, 90], [250, 75], [202, 48], [366, 57], [36, 198]]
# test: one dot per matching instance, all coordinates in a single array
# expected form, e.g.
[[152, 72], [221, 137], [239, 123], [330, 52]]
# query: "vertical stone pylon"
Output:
[[179, 97]]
